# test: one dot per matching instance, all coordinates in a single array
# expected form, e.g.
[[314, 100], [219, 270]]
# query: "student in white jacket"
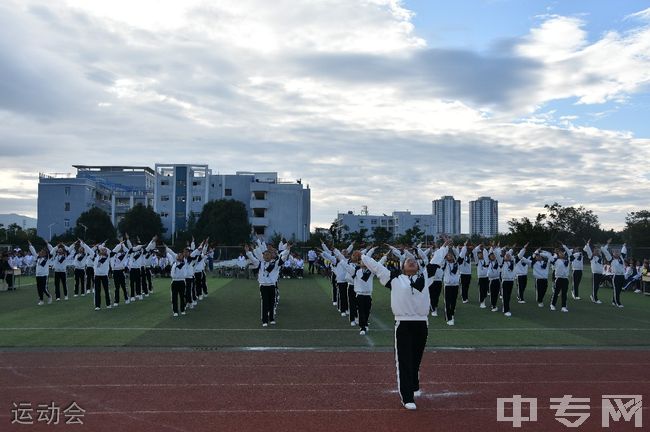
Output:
[[60, 264], [269, 271], [42, 270], [618, 268], [451, 270], [597, 265], [409, 301], [179, 273], [101, 267]]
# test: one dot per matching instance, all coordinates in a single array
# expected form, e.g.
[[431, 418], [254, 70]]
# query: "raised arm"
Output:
[[605, 250], [587, 249], [378, 269]]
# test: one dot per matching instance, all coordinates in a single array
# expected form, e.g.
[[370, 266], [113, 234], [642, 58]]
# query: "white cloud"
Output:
[[341, 93]]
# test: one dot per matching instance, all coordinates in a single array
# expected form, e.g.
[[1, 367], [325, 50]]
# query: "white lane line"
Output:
[[314, 365], [323, 384], [312, 330]]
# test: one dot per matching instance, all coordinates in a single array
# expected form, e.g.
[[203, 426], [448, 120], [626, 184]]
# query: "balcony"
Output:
[[259, 221], [260, 187], [259, 204]]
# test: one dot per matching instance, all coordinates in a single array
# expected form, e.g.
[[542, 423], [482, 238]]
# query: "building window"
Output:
[[196, 198], [228, 192], [259, 230], [373, 221], [164, 182], [67, 191], [258, 213], [66, 223], [164, 197], [164, 214], [180, 199], [66, 206], [196, 183]]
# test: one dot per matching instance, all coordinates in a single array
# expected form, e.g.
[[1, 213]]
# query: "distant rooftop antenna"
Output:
[[364, 210]]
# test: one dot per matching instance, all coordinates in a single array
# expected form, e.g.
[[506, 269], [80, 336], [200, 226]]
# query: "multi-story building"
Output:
[[274, 206], [397, 223], [62, 198], [484, 217], [180, 190], [447, 213]]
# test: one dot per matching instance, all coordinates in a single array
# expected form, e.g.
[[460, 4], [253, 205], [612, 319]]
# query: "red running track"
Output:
[[311, 391]]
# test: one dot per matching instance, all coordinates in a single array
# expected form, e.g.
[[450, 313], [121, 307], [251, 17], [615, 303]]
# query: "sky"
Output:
[[383, 103]]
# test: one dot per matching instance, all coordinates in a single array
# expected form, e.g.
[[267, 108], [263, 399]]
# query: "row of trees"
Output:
[[224, 221], [570, 225]]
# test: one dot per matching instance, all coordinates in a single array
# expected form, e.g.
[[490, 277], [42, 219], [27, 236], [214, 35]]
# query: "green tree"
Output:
[[381, 235], [141, 222], [98, 226], [637, 229], [224, 221], [358, 237], [411, 236]]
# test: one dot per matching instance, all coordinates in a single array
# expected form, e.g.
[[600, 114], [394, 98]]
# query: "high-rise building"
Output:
[[446, 210], [62, 198], [484, 217]]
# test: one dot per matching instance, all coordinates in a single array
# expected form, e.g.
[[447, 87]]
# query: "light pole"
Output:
[[85, 229], [50, 227]]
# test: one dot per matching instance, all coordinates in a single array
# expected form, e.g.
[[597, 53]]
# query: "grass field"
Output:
[[229, 318]]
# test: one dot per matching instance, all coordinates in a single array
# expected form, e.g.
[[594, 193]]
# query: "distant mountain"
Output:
[[25, 222]]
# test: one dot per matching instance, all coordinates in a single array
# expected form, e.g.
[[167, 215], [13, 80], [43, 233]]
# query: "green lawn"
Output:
[[229, 317]]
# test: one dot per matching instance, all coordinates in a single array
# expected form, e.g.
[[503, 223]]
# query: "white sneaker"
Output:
[[183, 313], [97, 308], [521, 301], [116, 304], [127, 301], [58, 299], [465, 301], [540, 304], [620, 306], [76, 295], [108, 307], [195, 303], [83, 294], [49, 300], [434, 313], [191, 305], [410, 406], [577, 298], [65, 298], [417, 393], [201, 297], [140, 297], [564, 309], [272, 322], [146, 295], [552, 307], [344, 314], [333, 303], [132, 299], [483, 305], [362, 333], [495, 309], [637, 291], [265, 325], [450, 322], [353, 323], [599, 302], [175, 314], [508, 314], [40, 303]]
